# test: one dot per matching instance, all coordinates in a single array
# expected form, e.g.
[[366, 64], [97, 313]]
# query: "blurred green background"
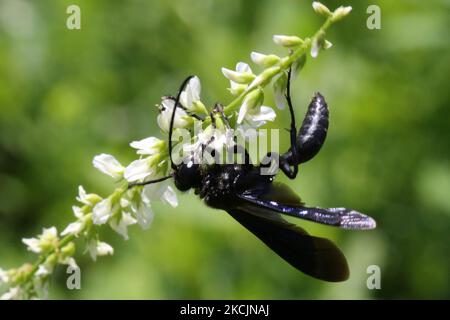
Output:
[[66, 96]]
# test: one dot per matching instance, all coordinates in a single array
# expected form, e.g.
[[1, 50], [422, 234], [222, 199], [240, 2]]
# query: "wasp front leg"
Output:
[[311, 136]]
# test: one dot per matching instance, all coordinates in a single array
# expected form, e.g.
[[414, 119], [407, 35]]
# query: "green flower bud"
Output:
[[341, 13], [321, 9], [287, 41]]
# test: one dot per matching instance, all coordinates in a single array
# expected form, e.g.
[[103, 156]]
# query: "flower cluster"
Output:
[[216, 127]]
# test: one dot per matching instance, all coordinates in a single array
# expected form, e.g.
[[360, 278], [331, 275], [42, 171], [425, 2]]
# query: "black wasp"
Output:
[[258, 203]]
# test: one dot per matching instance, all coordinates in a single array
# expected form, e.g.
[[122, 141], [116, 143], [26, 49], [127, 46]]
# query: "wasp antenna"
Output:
[[172, 119], [131, 185]]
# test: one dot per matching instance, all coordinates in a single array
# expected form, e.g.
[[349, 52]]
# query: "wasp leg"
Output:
[[285, 162]]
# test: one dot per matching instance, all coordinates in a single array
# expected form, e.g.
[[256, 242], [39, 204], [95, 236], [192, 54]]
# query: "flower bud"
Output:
[[287, 41], [263, 59], [321, 9], [238, 77], [68, 250], [252, 101], [341, 13]]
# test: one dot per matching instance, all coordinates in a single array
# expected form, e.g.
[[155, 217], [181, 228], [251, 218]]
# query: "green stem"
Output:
[[282, 66], [44, 257]]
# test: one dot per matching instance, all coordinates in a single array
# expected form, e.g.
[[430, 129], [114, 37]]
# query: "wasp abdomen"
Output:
[[313, 131]]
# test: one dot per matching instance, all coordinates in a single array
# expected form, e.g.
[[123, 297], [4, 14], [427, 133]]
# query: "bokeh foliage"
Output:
[[66, 96]]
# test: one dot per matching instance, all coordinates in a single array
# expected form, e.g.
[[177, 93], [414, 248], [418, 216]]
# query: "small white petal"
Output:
[[104, 249], [73, 228], [287, 41], [242, 112], [82, 197], [165, 116], [42, 271], [4, 276], [315, 48], [265, 114], [107, 164], [33, 244], [327, 45], [170, 197], [194, 88], [12, 294], [321, 9], [341, 12], [251, 102], [124, 202], [238, 77], [78, 213], [144, 215], [264, 59], [137, 170], [49, 233], [121, 227], [148, 146], [102, 211], [279, 88], [243, 67]]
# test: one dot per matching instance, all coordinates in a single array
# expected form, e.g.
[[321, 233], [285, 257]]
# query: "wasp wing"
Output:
[[314, 256], [274, 198]]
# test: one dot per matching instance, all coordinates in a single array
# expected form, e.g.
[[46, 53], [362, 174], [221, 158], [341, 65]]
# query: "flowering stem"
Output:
[[267, 75], [43, 257]]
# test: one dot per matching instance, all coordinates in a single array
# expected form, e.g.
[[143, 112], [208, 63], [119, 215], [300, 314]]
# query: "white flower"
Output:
[[143, 212], [261, 115], [12, 294], [73, 228], [190, 97], [253, 100], [43, 270], [319, 43], [149, 146], [124, 202], [139, 169], [240, 78], [287, 41], [170, 197], [252, 110], [77, 212], [181, 120], [107, 164], [98, 248], [33, 244], [265, 60], [321, 9], [87, 199], [279, 88], [102, 211], [4, 276], [104, 249], [120, 225], [43, 242], [82, 196], [161, 191]]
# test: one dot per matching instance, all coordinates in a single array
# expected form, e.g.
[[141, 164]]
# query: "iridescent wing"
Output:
[[280, 198]]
